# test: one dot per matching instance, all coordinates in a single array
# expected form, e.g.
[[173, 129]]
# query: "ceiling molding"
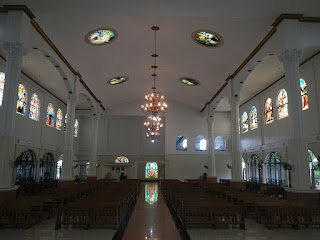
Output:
[[261, 44]]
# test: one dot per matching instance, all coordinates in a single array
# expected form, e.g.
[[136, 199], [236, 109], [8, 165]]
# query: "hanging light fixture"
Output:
[[155, 103], [153, 124]]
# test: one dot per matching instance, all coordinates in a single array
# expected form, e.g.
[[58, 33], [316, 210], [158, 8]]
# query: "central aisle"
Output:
[[151, 219]]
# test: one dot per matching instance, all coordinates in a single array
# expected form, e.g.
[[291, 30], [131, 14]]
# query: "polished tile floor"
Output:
[[151, 219]]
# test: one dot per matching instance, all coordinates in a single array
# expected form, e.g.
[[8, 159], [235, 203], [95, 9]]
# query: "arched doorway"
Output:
[[47, 167], [59, 167], [275, 172], [254, 170], [314, 170], [25, 167], [151, 171]]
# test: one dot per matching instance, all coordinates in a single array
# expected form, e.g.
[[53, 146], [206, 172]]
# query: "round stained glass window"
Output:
[[100, 36], [207, 38], [189, 81], [117, 80]]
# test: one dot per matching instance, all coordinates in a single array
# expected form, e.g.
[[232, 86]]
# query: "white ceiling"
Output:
[[242, 24]]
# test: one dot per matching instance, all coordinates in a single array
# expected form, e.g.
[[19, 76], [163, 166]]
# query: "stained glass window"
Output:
[[189, 81], [122, 159], [268, 111], [304, 94], [151, 170], [275, 172], [76, 128], [282, 104], [117, 80], [220, 144], [59, 119], [273, 157], [50, 115], [34, 107], [253, 118], [101, 36], [245, 122], [25, 167], [151, 193], [207, 38], [22, 100], [2, 80], [254, 169]]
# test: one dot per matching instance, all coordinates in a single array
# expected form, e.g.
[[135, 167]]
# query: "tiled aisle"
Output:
[[151, 219]]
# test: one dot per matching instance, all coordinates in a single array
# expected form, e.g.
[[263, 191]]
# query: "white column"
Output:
[[94, 150], [69, 135], [297, 145], [236, 171], [210, 148], [15, 52]]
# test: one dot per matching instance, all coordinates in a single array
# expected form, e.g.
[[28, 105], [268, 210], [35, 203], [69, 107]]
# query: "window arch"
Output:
[[181, 143], [50, 115], [254, 171], [34, 107], [59, 119], [304, 94], [314, 170], [121, 159], [25, 167], [151, 170], [2, 81], [22, 100], [253, 118], [76, 128], [282, 104], [274, 169], [244, 122], [201, 143], [268, 111], [47, 167], [220, 144]]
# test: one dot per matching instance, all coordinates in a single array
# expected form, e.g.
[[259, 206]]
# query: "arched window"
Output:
[[244, 170], [151, 193], [2, 81], [151, 170], [304, 94], [181, 143], [268, 111], [65, 123], [34, 107], [121, 159], [50, 115], [25, 167], [201, 143], [275, 173], [47, 167], [220, 144], [59, 119], [245, 122], [76, 128], [253, 118], [314, 170], [282, 104], [254, 171], [22, 100]]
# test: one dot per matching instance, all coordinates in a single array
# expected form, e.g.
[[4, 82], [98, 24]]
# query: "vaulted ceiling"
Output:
[[242, 24]]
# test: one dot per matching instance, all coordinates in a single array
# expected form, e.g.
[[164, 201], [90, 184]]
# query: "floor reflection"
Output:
[[151, 192]]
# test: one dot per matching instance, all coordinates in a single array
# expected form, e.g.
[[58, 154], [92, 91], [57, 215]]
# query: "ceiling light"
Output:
[[207, 38], [189, 81], [117, 80], [100, 36]]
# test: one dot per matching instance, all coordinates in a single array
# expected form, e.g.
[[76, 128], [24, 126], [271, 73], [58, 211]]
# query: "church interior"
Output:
[[159, 119]]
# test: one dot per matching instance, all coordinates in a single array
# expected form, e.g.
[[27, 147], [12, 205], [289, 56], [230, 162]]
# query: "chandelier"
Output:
[[154, 103]]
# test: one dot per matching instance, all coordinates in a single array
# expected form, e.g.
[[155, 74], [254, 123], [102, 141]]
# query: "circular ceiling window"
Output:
[[100, 36], [189, 81], [117, 80], [207, 38]]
